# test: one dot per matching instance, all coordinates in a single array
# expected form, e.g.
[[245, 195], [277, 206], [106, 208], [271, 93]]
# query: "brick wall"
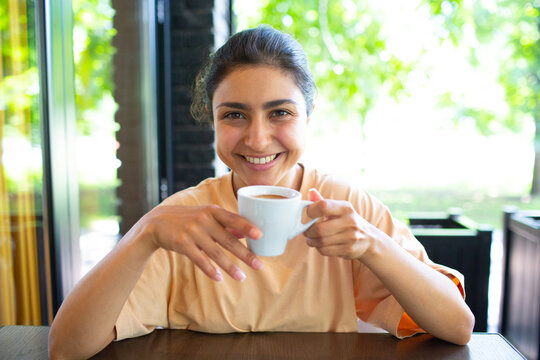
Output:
[[196, 27]]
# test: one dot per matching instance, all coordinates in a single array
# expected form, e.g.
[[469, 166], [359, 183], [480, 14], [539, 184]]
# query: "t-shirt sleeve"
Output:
[[147, 304], [374, 302]]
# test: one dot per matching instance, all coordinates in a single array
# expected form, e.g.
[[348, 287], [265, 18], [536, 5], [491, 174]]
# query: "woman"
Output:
[[356, 261]]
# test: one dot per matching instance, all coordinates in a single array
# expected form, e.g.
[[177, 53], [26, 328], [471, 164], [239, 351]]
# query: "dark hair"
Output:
[[262, 45]]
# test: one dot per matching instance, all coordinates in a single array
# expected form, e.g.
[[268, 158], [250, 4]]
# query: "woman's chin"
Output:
[[258, 180]]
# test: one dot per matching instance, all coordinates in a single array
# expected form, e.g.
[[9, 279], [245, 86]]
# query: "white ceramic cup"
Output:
[[279, 219]]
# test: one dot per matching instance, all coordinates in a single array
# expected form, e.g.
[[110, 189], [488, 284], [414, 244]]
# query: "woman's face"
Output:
[[261, 122]]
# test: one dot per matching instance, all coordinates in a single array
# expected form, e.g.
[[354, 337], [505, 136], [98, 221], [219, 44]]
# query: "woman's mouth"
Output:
[[261, 162]]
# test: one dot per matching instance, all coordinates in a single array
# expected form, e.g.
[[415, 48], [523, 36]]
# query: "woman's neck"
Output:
[[293, 179]]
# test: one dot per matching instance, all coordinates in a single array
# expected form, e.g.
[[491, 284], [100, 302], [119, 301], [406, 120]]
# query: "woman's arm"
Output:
[[428, 296], [84, 324], [431, 299]]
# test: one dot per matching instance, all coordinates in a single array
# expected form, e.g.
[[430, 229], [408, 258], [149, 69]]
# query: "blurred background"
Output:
[[428, 104]]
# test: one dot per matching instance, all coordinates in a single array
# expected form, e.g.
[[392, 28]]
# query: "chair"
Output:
[[521, 300], [455, 241]]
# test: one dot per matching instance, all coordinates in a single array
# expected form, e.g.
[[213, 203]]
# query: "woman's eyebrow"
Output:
[[235, 105], [273, 103], [266, 105]]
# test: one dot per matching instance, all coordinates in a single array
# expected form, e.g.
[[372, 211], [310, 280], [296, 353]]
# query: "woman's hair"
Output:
[[262, 45]]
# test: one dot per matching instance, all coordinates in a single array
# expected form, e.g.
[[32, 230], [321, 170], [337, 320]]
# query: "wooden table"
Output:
[[30, 342]]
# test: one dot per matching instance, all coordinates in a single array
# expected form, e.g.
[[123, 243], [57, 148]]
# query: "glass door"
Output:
[[25, 278]]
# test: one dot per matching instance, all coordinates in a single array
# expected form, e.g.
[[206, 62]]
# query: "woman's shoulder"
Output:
[[330, 186], [209, 191], [338, 188]]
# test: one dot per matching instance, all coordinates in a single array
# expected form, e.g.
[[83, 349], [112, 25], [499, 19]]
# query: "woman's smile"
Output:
[[260, 163]]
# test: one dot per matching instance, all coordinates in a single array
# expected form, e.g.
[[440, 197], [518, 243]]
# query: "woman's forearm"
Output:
[[428, 296], [85, 322]]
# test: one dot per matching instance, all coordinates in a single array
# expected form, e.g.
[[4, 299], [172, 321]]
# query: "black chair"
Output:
[[521, 300], [455, 241]]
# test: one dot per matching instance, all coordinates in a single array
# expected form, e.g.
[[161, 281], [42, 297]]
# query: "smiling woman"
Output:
[[167, 270]]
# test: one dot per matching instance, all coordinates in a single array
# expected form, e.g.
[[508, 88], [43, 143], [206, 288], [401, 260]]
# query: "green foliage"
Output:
[[520, 72], [515, 24], [19, 82], [345, 45], [19, 89], [452, 16], [93, 51], [19, 86]]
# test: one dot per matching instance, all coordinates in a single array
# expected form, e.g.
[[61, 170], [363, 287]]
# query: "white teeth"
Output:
[[260, 160]]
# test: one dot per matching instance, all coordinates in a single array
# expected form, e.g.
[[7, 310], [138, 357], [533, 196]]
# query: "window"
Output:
[[23, 247], [96, 144]]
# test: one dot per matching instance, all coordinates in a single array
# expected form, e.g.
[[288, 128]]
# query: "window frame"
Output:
[[54, 22]]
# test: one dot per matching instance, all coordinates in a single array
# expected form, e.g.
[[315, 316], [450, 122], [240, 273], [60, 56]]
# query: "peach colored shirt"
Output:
[[300, 290]]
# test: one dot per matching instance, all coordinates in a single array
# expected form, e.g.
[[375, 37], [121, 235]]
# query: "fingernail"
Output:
[[218, 276], [257, 264], [239, 275], [254, 234]]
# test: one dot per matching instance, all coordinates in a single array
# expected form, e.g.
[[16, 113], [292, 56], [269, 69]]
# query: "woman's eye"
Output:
[[234, 115], [280, 113]]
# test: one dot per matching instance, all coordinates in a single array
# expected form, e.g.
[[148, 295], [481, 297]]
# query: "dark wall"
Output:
[[191, 28], [128, 95]]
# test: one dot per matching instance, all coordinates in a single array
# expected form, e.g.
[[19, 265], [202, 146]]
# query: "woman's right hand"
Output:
[[201, 233]]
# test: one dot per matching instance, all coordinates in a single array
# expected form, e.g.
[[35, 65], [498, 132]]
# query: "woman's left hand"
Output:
[[340, 231]]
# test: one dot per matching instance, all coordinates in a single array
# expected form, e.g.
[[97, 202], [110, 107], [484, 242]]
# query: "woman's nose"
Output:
[[258, 135]]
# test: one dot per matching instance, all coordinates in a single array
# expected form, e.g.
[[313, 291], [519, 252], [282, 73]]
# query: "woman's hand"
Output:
[[200, 233], [340, 231]]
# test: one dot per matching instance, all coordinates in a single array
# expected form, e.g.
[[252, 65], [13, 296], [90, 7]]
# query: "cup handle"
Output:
[[299, 227]]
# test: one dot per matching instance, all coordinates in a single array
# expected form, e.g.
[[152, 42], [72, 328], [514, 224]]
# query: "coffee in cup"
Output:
[[270, 196], [277, 212]]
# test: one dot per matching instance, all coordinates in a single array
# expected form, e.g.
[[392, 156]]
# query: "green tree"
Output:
[[516, 25], [93, 51], [19, 87], [346, 48]]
